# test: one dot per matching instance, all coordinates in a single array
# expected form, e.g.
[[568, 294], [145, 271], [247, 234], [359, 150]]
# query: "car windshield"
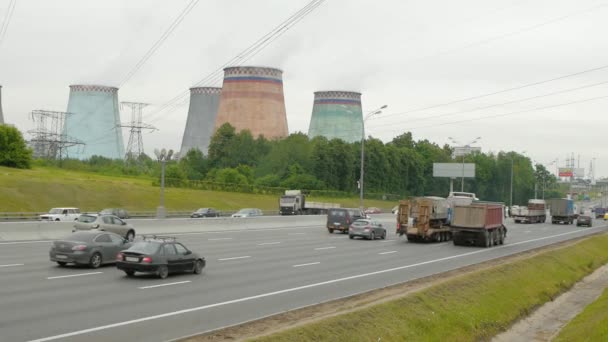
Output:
[[202, 210], [288, 199], [145, 247], [86, 218], [56, 211], [81, 236], [245, 211], [361, 223]]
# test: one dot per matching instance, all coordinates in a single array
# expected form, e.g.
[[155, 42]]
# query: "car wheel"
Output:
[[372, 236], [163, 271], [56, 220], [95, 260], [130, 235], [129, 273], [198, 267], [61, 263], [383, 235]]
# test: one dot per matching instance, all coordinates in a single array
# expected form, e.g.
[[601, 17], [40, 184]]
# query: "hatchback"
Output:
[[368, 229], [108, 223], [92, 248]]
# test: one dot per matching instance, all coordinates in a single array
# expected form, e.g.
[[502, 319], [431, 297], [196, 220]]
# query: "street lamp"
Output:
[[163, 156], [464, 152], [370, 114]]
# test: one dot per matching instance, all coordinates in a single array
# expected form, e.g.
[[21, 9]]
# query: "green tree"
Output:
[[13, 150], [194, 164]]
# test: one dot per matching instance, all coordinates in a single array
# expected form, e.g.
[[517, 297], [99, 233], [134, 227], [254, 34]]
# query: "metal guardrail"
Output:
[[34, 216]]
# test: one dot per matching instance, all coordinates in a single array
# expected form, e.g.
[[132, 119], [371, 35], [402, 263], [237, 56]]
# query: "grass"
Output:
[[589, 325], [468, 308], [41, 188]]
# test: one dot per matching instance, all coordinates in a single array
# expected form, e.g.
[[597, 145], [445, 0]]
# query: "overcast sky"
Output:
[[409, 55]]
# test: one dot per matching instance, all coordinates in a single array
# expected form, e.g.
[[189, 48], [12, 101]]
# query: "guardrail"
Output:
[[34, 216]]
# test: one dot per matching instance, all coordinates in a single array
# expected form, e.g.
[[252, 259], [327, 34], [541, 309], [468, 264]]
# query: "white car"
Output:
[[248, 212], [61, 214]]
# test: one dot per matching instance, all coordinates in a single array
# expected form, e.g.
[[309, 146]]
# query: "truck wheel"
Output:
[[437, 237], [331, 231], [501, 237], [486, 239]]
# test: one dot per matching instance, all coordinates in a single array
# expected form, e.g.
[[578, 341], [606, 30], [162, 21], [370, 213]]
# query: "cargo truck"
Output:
[[599, 212], [562, 210], [424, 219], [294, 203], [478, 224], [535, 212]]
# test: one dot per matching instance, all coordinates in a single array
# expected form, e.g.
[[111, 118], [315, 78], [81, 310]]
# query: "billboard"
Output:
[[454, 170], [565, 172], [579, 172], [464, 150]]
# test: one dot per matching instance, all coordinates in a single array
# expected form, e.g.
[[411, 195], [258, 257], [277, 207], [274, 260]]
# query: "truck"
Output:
[[599, 212], [294, 202], [562, 210], [479, 224], [424, 219], [535, 212]]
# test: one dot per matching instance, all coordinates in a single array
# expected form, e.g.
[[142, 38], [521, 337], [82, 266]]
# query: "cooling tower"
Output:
[[252, 98], [337, 115], [1, 115], [202, 113], [94, 119]]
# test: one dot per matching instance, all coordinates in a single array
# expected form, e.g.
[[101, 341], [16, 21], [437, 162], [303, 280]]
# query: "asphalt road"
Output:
[[249, 275]]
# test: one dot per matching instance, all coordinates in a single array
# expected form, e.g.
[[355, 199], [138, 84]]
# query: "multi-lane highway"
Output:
[[250, 274]]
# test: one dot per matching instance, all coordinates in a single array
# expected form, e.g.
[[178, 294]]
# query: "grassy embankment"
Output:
[[41, 188], [468, 308], [589, 325]]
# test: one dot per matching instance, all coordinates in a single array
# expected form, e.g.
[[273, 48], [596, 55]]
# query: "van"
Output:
[[341, 218]]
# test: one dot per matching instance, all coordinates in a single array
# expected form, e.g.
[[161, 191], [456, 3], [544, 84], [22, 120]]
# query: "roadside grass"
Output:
[[41, 188], [467, 308], [589, 325]]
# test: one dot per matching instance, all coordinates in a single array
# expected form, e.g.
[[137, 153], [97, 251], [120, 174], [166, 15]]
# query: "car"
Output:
[[92, 248], [341, 218], [108, 223], [248, 212], [120, 213], [368, 229], [205, 212], [160, 255], [61, 214], [373, 210], [584, 220]]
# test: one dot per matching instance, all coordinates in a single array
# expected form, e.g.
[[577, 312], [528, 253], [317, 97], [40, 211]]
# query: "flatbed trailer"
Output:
[[430, 219]]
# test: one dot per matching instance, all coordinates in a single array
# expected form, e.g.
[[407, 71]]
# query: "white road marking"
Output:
[[296, 234], [235, 258], [310, 263], [161, 285], [389, 252], [24, 242], [322, 248], [289, 290], [268, 243], [388, 240], [11, 265], [219, 239], [74, 275]]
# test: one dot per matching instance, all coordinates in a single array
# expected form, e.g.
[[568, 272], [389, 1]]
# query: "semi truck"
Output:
[[562, 210], [478, 224], [294, 202], [535, 212], [424, 219]]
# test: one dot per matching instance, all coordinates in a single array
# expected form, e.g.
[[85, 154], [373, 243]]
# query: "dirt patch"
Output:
[[314, 313]]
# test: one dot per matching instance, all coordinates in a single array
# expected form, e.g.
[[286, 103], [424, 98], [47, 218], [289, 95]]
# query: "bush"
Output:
[[13, 150]]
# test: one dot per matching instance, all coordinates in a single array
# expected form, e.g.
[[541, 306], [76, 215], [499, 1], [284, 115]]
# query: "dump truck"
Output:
[[562, 210], [535, 212], [424, 219], [294, 203], [478, 224]]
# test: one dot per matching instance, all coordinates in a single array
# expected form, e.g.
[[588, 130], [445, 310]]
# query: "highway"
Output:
[[250, 274]]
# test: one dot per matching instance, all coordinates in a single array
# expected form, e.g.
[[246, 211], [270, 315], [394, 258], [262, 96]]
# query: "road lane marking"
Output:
[[296, 234], [161, 285], [11, 265], [322, 248], [219, 239], [24, 242], [389, 240], [309, 264], [74, 275], [389, 252], [289, 290], [268, 243], [235, 258]]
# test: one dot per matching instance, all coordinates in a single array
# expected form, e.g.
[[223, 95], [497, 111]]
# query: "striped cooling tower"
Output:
[[337, 115], [94, 119], [252, 98], [202, 113]]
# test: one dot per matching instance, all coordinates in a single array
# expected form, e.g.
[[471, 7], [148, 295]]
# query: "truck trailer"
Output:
[[478, 224], [430, 219], [294, 203], [562, 210], [535, 212]]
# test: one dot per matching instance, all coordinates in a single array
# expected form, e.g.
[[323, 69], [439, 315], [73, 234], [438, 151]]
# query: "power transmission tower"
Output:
[[48, 138], [135, 147]]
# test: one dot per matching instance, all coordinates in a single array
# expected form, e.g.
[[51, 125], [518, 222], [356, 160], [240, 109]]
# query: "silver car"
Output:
[[248, 212], [92, 248], [109, 223], [368, 229]]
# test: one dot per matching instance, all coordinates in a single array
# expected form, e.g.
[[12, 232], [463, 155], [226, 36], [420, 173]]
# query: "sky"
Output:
[[431, 62]]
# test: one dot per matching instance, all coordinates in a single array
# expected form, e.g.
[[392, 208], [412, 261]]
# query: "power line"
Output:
[[7, 19]]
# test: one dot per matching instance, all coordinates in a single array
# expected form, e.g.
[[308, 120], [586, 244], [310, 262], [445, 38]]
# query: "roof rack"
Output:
[[158, 237]]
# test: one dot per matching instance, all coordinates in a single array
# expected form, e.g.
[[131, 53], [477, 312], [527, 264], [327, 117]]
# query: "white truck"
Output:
[[535, 212], [294, 203]]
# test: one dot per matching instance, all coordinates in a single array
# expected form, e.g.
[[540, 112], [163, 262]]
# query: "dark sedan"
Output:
[[368, 229], [205, 212], [92, 248], [584, 220], [159, 255]]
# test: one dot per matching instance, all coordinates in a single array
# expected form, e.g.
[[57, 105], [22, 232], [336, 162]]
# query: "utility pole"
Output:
[[135, 147], [49, 139]]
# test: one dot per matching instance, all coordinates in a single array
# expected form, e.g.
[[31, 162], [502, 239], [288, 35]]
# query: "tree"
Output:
[[13, 150], [194, 164]]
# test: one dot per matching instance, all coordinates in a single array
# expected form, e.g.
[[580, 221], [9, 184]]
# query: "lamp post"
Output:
[[464, 152], [163, 156], [362, 172]]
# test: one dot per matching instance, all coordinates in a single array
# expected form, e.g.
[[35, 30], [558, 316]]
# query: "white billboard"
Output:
[[454, 170], [464, 150]]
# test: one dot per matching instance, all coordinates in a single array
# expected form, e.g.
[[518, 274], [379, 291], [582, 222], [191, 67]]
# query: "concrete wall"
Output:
[[204, 102], [337, 115]]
